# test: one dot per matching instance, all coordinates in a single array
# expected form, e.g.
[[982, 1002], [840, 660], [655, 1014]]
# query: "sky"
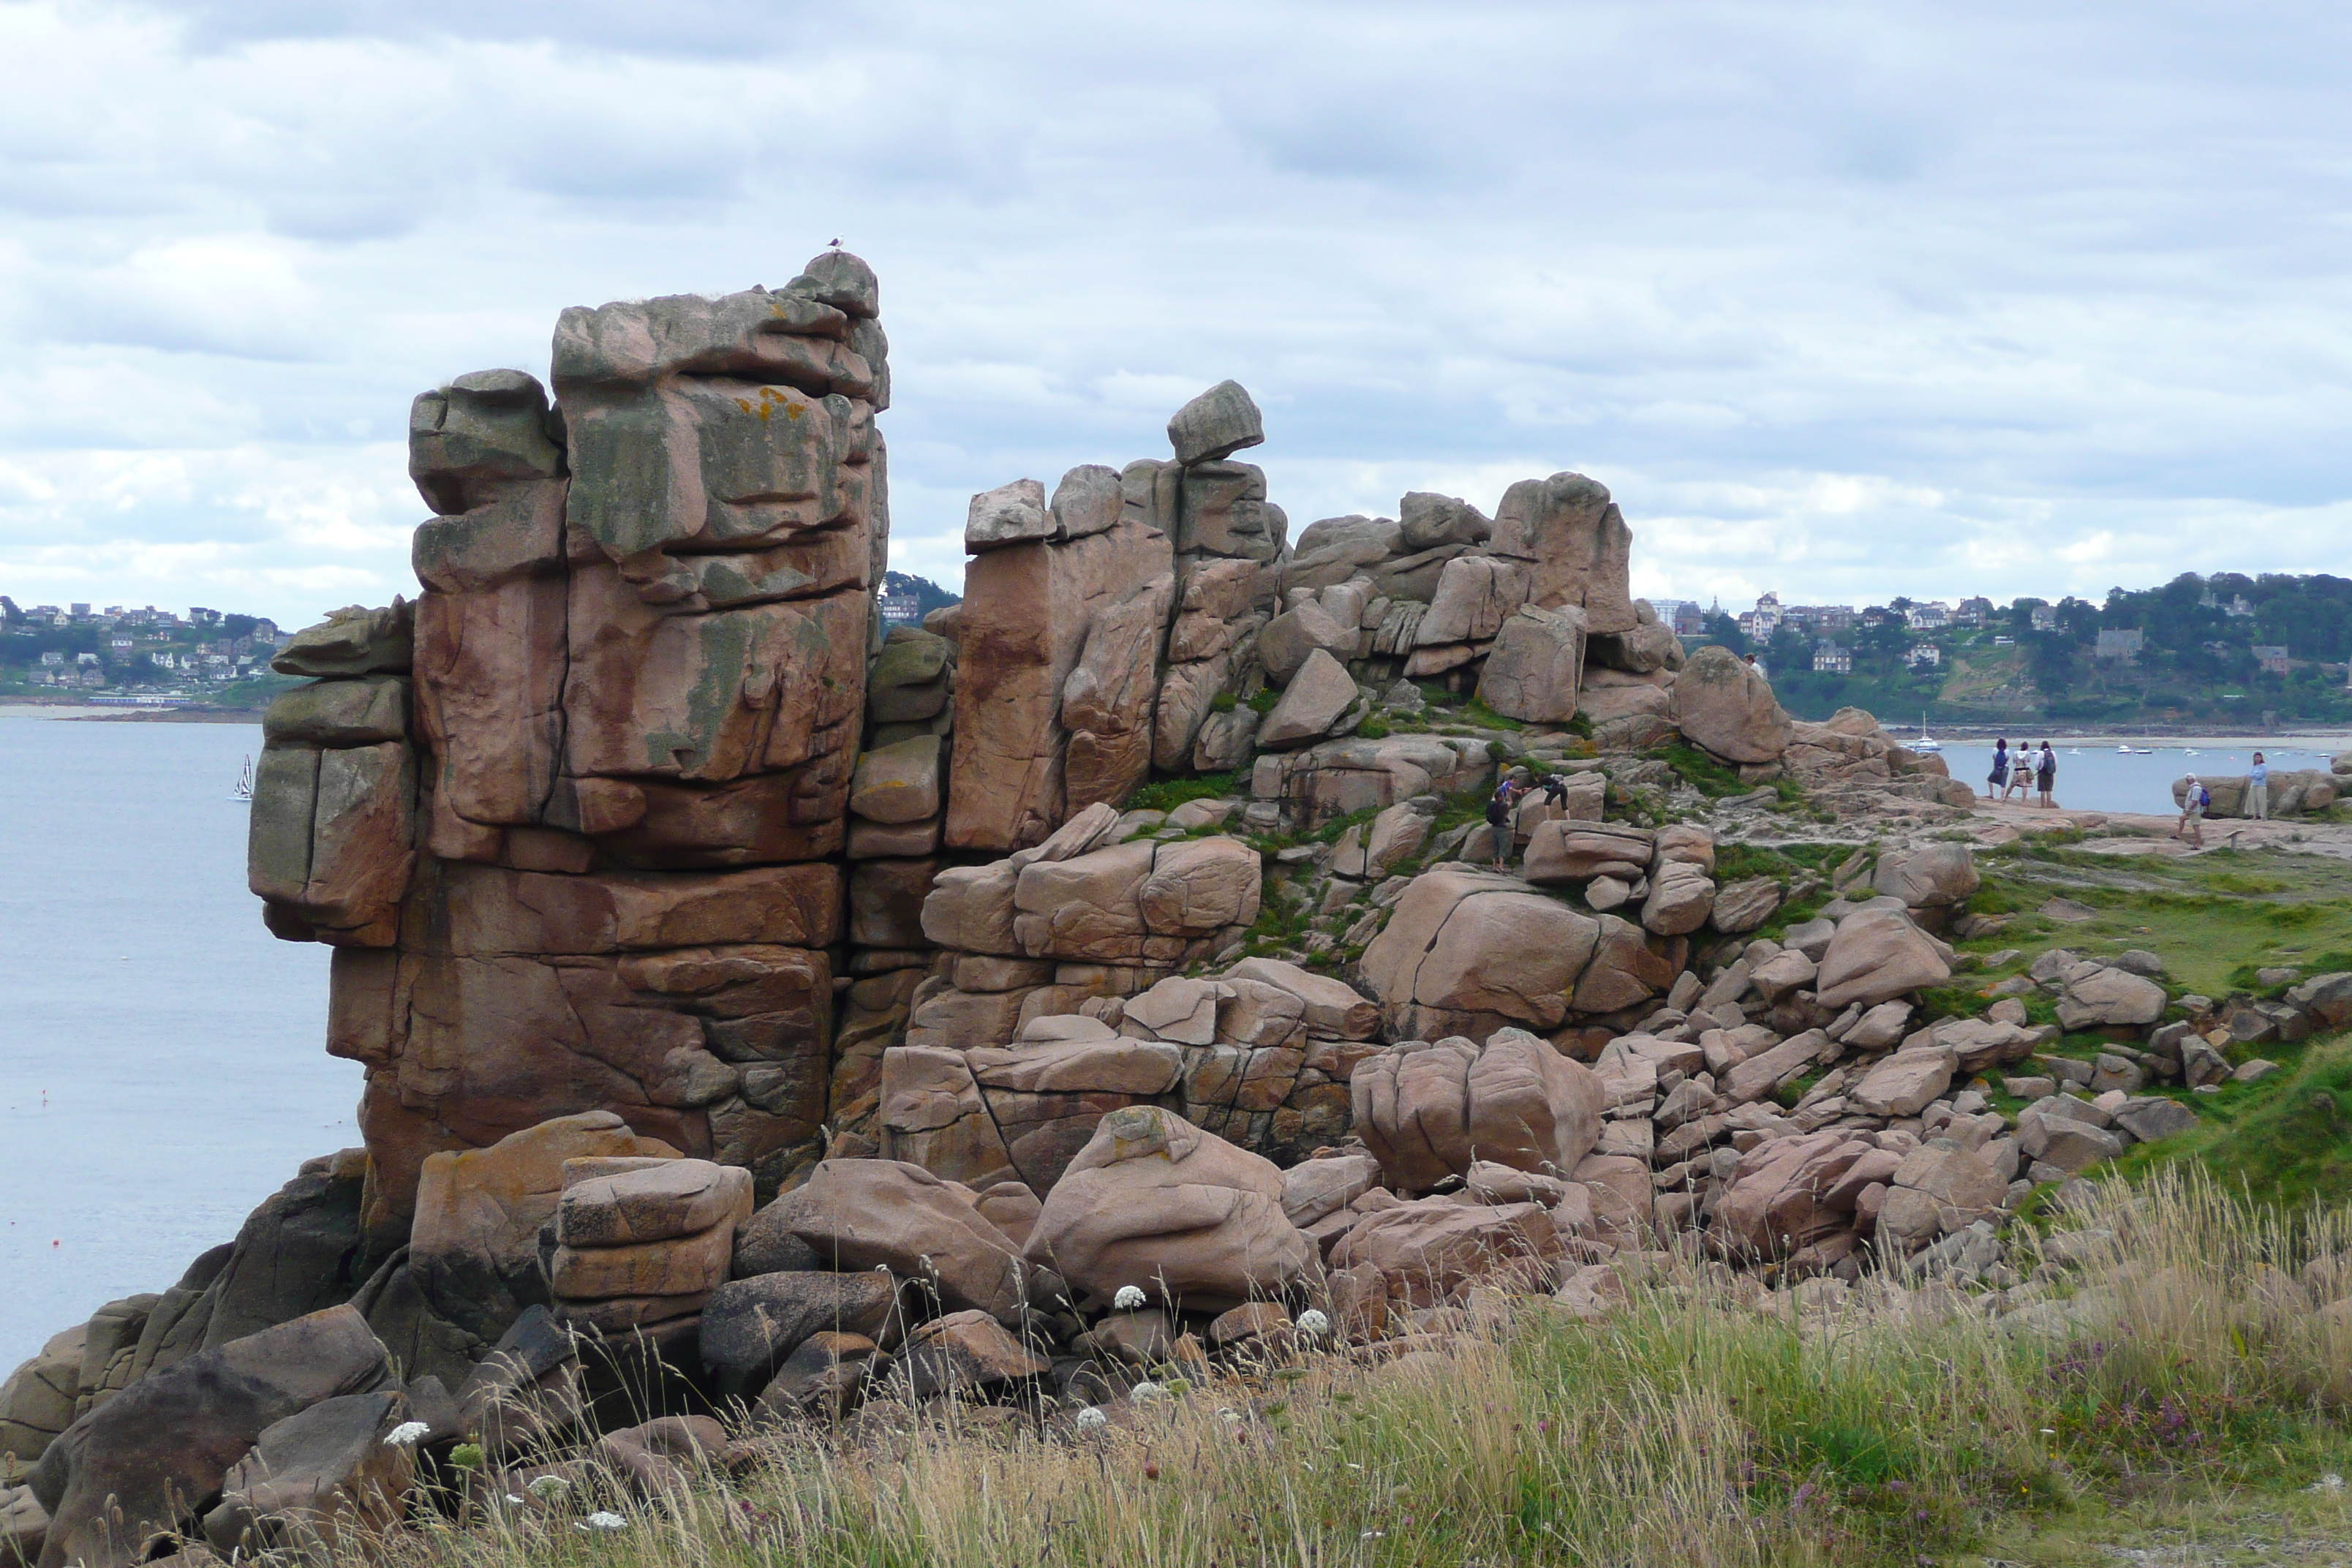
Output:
[[1841, 301]]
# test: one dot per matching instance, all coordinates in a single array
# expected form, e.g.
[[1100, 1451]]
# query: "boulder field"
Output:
[[764, 1011]]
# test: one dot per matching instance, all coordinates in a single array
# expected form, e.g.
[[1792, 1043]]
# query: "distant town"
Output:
[[124, 651], [2227, 649]]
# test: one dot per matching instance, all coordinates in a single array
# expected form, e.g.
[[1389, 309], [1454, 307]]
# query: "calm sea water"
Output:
[[160, 1063], [2092, 775]]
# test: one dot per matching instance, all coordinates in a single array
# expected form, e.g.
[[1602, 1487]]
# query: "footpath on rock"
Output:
[[778, 1031]]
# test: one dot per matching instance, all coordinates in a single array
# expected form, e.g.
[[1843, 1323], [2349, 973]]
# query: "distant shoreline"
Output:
[[200, 714]]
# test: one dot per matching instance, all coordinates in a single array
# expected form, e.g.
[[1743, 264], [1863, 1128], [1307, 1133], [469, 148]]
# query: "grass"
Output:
[[1168, 794], [2286, 1140], [2172, 1386], [2213, 918]]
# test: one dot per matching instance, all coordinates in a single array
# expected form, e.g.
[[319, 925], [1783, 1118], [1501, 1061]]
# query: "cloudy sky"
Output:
[[1842, 300]]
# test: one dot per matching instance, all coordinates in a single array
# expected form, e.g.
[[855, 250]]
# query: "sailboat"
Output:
[[1925, 742], [244, 790]]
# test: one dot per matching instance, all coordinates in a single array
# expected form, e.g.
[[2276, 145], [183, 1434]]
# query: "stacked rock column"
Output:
[[599, 867]]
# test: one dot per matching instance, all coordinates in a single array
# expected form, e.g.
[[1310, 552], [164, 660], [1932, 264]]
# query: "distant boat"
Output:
[[244, 790], [2137, 750], [1925, 742]]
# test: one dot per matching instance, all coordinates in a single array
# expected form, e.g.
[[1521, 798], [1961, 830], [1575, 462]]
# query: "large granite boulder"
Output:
[[855, 1214], [129, 1473], [1536, 669], [2098, 995], [1108, 702], [1027, 615], [1878, 955], [1721, 705], [1217, 424], [1154, 1202], [1465, 947], [1931, 877], [1576, 545], [1423, 1253], [1427, 1111], [474, 1244], [750, 1326], [324, 1478]]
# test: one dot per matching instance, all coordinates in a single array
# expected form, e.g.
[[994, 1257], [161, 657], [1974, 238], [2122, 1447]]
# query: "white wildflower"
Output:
[[547, 1489], [1313, 1324], [1146, 1390], [514, 1499], [1092, 1420], [407, 1435], [2330, 1482], [603, 1520], [1128, 1299]]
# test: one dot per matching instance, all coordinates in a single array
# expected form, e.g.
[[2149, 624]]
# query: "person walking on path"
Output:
[[2257, 790], [2193, 802], [2045, 776], [1999, 778], [1498, 819]]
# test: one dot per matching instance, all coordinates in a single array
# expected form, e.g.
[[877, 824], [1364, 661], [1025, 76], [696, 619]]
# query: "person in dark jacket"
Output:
[[1498, 817], [1998, 780]]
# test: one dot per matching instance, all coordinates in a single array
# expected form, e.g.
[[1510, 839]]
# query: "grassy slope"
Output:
[[2214, 919], [1687, 1429]]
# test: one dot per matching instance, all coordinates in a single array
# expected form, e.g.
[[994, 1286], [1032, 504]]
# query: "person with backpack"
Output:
[[2257, 790], [2194, 799], [1499, 818], [2045, 776], [1999, 778]]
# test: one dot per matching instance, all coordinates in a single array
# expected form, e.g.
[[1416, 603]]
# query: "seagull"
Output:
[[836, 244]]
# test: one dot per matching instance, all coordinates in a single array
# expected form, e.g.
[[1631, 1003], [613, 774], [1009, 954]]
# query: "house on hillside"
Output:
[[1829, 659], [1690, 621], [2045, 618], [1924, 656], [902, 609], [2270, 656], [1930, 617], [1974, 612], [1758, 624], [2122, 644], [2238, 606]]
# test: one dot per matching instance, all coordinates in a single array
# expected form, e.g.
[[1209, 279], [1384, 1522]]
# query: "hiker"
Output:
[[2257, 790], [1999, 778], [2045, 776], [1498, 817], [2193, 802]]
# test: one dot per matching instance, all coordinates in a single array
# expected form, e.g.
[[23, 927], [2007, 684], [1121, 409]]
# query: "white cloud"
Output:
[[1840, 299]]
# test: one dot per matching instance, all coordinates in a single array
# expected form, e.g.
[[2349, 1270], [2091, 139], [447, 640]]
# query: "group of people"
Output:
[[2014, 774], [1502, 804], [2195, 800]]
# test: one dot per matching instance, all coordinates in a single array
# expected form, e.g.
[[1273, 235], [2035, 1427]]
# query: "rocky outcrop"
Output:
[[1261, 1054]]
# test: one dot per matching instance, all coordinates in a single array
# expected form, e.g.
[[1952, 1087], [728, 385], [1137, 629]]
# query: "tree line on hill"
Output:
[[2227, 648]]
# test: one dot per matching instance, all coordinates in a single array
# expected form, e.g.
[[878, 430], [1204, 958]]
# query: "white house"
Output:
[[1925, 653]]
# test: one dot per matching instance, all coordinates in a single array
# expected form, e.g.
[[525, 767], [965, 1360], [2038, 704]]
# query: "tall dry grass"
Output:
[[1689, 1427]]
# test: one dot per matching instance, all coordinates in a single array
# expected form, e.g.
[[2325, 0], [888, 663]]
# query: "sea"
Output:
[[2094, 773], [161, 1068]]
